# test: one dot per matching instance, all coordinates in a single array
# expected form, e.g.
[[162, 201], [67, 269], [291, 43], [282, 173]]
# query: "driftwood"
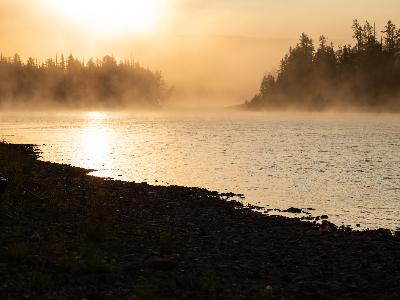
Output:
[[3, 185]]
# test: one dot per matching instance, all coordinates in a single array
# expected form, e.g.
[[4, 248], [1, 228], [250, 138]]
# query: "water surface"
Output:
[[344, 165]]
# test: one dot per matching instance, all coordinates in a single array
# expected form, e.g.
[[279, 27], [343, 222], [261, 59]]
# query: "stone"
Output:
[[294, 210], [160, 263]]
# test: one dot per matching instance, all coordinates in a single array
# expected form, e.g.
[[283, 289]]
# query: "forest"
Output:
[[70, 82], [363, 76]]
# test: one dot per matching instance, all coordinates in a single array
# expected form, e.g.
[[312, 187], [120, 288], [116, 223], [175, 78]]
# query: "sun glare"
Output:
[[94, 115], [111, 16]]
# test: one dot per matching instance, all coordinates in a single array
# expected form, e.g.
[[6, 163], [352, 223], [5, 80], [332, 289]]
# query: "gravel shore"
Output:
[[67, 235]]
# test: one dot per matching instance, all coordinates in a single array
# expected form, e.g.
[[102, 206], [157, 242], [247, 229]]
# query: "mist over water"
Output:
[[344, 165], [199, 71], [199, 149]]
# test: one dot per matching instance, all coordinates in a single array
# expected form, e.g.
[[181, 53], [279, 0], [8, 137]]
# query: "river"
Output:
[[344, 165]]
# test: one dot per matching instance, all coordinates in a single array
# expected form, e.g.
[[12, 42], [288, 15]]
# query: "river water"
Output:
[[344, 165]]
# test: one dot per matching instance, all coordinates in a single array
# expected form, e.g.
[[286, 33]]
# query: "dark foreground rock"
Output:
[[66, 235]]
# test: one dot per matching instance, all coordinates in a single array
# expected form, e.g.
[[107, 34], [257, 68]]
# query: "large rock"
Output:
[[294, 210]]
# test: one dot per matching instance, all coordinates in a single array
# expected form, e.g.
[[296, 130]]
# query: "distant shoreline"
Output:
[[339, 109], [198, 110], [64, 234]]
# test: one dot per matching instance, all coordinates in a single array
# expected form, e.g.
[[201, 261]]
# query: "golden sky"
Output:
[[188, 40]]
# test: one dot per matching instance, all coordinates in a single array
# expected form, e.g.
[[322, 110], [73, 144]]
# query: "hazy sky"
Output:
[[286, 18], [32, 24], [235, 40]]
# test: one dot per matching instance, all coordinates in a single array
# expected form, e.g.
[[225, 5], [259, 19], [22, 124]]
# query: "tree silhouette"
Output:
[[391, 36], [366, 75], [73, 83]]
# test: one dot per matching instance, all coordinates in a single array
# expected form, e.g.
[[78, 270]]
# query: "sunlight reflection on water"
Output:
[[346, 166], [95, 144]]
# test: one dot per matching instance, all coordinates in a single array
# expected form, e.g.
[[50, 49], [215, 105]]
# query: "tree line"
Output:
[[365, 75], [76, 83]]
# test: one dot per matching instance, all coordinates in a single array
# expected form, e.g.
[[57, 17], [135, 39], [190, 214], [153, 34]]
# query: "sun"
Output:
[[110, 16]]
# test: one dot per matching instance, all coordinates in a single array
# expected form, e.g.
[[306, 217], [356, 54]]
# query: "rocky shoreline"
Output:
[[67, 235]]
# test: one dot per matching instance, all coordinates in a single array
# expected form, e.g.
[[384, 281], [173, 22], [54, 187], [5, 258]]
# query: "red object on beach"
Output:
[[326, 228]]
